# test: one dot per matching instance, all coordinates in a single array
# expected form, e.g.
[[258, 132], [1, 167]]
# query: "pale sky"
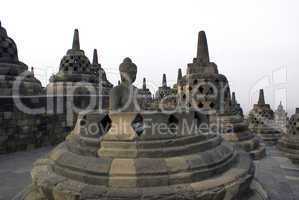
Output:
[[255, 43]]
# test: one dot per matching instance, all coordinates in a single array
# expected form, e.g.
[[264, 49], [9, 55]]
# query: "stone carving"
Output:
[[124, 96]]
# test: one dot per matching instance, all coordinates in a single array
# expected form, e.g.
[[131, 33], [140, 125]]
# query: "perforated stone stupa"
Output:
[[166, 98], [289, 143], [203, 87], [77, 84], [281, 118], [204, 90], [237, 132], [163, 90], [261, 121], [235, 106], [19, 130], [126, 155], [145, 97]]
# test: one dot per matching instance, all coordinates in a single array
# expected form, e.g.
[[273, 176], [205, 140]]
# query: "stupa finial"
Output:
[[180, 76], [76, 41], [234, 98], [202, 48], [164, 82], [261, 100], [95, 57], [144, 84]]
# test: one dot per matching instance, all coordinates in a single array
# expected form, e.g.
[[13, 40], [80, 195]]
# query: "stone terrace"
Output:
[[278, 175]]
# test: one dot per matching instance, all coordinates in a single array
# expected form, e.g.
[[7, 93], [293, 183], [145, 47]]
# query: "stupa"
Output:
[[125, 155], [100, 73], [74, 87], [206, 91], [261, 121], [235, 106], [203, 87], [281, 118], [179, 78], [163, 90], [235, 130], [19, 129], [145, 97], [289, 143], [166, 97]]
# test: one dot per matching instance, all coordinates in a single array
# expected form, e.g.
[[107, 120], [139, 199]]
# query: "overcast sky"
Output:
[[255, 43]]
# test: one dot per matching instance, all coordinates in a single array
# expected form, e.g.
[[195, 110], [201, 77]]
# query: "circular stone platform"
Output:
[[137, 159], [236, 131]]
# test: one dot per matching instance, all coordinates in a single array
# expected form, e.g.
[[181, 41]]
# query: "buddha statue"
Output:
[[123, 97]]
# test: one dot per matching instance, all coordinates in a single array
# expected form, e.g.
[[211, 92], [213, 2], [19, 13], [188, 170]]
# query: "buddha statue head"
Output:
[[128, 71]]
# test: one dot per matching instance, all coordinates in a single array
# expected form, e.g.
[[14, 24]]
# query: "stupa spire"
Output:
[[95, 57], [164, 82], [261, 100], [76, 41], [234, 98], [297, 110], [32, 70], [144, 84], [202, 48], [179, 75]]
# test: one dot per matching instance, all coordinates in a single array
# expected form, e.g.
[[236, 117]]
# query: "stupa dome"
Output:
[[8, 48]]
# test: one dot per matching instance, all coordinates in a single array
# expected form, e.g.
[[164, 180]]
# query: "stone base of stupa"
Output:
[[248, 142], [127, 163], [289, 145], [237, 133], [269, 135]]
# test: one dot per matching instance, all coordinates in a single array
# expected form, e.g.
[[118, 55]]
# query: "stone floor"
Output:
[[277, 174], [280, 178], [15, 171]]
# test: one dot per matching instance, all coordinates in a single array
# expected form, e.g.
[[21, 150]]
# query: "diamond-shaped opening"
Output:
[[105, 124], [200, 105], [137, 124], [173, 123], [82, 122], [211, 91], [201, 89], [229, 130]]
